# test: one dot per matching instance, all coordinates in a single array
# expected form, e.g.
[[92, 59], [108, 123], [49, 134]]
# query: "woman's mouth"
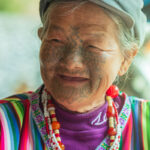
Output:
[[73, 80]]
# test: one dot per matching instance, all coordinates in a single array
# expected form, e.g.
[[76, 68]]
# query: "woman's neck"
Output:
[[80, 108]]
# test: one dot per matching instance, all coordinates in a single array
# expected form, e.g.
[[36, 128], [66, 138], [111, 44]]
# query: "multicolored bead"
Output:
[[52, 125]]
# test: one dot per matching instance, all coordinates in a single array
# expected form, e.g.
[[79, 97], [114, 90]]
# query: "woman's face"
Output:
[[80, 56]]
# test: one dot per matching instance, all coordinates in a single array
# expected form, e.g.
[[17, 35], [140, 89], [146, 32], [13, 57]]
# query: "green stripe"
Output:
[[36, 138], [12, 99], [18, 107], [148, 123], [144, 126], [19, 110], [120, 147]]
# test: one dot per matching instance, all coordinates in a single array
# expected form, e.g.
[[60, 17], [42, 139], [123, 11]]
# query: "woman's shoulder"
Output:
[[13, 108], [17, 98], [138, 101], [140, 107]]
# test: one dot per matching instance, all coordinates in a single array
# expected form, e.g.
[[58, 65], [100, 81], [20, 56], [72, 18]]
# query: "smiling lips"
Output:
[[73, 79]]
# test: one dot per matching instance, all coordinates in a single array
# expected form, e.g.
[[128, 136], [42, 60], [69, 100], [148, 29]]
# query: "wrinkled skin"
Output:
[[80, 56]]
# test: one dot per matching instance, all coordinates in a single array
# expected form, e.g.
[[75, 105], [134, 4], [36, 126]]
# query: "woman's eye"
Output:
[[91, 46], [55, 40], [95, 48]]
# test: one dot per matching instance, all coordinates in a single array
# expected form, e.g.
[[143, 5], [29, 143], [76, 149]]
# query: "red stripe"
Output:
[[25, 127], [127, 134]]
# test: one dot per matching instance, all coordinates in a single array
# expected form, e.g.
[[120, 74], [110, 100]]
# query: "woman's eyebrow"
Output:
[[96, 34], [93, 26], [56, 27]]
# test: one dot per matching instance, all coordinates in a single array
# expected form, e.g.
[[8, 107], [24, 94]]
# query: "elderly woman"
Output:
[[86, 44]]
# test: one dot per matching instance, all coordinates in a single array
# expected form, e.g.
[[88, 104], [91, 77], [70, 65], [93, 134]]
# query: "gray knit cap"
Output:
[[129, 10]]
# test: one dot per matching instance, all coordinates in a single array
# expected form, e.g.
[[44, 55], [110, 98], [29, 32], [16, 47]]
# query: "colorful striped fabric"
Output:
[[18, 129], [22, 126], [136, 134]]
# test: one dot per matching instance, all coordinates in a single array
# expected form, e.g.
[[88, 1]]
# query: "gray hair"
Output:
[[126, 39]]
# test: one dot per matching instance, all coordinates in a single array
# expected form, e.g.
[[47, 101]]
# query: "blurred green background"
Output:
[[19, 48], [19, 6]]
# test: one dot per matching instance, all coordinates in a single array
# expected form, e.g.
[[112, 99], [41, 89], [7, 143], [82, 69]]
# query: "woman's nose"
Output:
[[72, 60]]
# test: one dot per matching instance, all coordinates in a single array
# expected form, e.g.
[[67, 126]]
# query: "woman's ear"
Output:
[[40, 30], [127, 62]]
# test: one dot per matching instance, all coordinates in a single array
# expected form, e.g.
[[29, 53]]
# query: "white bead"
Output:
[[111, 119], [109, 100], [56, 131], [46, 114], [58, 139], [52, 112], [54, 119], [111, 122], [112, 137], [51, 109]]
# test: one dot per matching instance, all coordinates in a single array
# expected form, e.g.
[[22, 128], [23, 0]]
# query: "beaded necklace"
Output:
[[53, 126]]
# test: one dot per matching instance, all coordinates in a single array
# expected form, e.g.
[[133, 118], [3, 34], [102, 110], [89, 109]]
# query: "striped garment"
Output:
[[22, 125]]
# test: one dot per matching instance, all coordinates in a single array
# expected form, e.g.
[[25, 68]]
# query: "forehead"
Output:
[[82, 17]]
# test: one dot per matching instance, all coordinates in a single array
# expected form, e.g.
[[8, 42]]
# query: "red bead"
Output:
[[57, 135], [55, 125], [110, 112], [49, 102], [123, 95], [113, 91], [112, 131], [116, 112], [50, 105], [46, 122], [53, 116], [112, 141]]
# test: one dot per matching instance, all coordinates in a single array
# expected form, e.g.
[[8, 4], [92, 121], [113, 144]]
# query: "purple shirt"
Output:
[[84, 131]]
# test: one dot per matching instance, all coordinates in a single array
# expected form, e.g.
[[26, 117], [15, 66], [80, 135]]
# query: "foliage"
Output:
[[13, 5]]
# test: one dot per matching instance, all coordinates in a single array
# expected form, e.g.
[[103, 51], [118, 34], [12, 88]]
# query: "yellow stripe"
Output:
[[19, 112], [12, 99]]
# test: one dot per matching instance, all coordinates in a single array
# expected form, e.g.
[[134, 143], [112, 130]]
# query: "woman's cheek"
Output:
[[95, 61], [49, 55], [95, 64]]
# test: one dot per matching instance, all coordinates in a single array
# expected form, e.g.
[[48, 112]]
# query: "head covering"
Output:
[[129, 10]]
